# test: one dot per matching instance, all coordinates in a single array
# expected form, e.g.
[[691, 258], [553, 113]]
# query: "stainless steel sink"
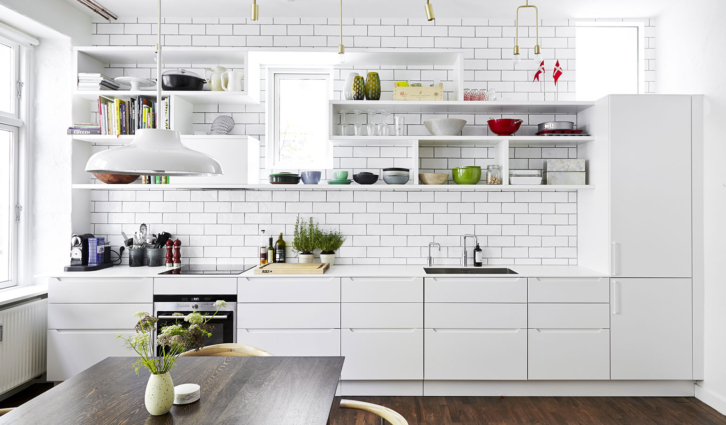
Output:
[[454, 270]]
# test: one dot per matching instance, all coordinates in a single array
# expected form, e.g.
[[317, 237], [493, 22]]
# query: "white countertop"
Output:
[[342, 271], [11, 295]]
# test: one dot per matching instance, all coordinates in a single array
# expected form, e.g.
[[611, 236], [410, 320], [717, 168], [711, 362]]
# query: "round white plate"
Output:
[[186, 393], [135, 83]]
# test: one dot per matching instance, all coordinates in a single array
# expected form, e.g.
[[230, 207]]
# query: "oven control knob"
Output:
[[195, 306]]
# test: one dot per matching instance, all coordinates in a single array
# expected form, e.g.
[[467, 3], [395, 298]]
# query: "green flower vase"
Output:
[[373, 86], [359, 88]]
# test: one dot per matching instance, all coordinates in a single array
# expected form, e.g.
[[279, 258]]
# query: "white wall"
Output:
[[691, 36], [58, 15]]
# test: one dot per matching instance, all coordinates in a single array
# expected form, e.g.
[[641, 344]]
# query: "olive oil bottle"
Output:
[[263, 250], [270, 252], [280, 250]]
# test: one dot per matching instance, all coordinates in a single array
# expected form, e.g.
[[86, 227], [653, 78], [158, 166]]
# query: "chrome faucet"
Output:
[[431, 259], [465, 256]]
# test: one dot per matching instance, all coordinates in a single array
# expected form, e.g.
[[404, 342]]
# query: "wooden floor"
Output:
[[535, 410], [510, 410]]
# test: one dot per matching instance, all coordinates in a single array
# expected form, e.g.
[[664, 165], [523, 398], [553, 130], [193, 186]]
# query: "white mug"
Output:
[[234, 81]]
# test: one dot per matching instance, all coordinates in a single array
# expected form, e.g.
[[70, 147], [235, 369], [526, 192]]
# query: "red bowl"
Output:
[[504, 127]]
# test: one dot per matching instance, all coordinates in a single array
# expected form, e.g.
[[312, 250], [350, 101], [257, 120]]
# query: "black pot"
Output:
[[365, 178], [182, 80]]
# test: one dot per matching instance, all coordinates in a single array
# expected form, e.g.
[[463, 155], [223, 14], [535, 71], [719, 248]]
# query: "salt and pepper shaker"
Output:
[[169, 259], [177, 253]]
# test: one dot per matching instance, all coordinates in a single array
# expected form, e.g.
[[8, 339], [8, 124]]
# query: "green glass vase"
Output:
[[359, 88], [373, 86]]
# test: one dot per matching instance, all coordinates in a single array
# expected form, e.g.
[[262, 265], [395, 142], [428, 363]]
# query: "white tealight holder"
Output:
[[187, 393]]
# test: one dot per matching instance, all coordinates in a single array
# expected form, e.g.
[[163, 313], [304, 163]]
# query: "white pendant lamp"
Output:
[[155, 152]]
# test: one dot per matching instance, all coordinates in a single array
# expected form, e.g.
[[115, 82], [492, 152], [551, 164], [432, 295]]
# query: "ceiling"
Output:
[[386, 8]]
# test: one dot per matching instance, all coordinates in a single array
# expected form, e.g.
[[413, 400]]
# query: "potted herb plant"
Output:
[[305, 239], [329, 242], [172, 341]]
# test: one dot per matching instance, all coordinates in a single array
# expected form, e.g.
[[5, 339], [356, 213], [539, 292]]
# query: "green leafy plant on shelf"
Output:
[[306, 236], [330, 241]]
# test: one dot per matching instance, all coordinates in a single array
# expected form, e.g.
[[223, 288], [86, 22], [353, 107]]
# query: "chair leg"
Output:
[[383, 422]]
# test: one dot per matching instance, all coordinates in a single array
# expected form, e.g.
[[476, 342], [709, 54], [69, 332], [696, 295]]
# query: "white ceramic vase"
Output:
[[328, 258], [348, 88], [159, 394], [306, 258]]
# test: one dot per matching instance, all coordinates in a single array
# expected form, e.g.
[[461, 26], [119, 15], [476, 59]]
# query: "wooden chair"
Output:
[[227, 350], [4, 411], [389, 415]]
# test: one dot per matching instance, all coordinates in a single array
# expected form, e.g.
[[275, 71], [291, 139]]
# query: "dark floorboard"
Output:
[[509, 410]]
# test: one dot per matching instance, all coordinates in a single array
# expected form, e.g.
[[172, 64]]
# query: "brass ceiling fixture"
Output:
[[430, 11], [255, 11], [341, 47], [537, 51]]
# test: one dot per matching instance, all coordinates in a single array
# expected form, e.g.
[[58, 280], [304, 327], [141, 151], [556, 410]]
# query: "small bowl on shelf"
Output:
[[284, 178], [467, 175], [396, 175], [116, 178], [311, 177], [445, 126], [504, 126], [365, 178], [433, 178]]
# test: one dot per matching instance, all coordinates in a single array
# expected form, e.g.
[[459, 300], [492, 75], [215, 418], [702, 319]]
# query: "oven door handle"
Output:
[[182, 317]]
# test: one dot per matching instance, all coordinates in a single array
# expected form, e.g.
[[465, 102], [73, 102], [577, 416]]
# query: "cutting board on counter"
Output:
[[293, 268]]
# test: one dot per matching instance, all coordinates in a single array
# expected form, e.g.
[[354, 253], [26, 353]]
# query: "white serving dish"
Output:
[[187, 393], [525, 180], [445, 126]]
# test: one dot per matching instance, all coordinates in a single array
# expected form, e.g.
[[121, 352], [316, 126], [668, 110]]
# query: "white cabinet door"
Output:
[[288, 316], [651, 329], [72, 352], [569, 354], [95, 316], [288, 290], [476, 354], [86, 290], [381, 290], [293, 342], [651, 186], [476, 290], [382, 354]]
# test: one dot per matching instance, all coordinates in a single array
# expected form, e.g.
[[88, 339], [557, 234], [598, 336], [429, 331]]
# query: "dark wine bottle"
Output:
[[280, 250]]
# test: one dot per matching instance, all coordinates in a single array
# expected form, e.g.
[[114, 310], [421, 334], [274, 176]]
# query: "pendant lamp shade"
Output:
[[154, 152]]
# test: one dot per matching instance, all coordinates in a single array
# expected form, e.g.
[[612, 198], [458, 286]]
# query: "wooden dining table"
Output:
[[234, 390]]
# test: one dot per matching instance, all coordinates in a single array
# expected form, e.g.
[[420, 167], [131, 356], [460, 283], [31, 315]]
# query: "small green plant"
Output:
[[330, 241], [306, 236]]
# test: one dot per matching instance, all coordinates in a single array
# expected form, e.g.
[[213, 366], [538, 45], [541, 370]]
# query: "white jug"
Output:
[[215, 80], [234, 81]]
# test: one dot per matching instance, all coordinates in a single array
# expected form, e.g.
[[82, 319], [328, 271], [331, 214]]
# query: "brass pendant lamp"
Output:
[[537, 51], [430, 11], [341, 47], [255, 11]]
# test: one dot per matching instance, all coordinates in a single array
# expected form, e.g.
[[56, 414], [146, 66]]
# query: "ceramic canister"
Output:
[[373, 86], [348, 89], [359, 88]]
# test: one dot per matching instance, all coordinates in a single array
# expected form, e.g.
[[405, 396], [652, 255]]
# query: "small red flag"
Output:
[[558, 72], [539, 72]]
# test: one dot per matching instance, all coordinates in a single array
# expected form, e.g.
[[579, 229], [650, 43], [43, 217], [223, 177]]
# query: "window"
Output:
[[8, 195], [610, 59], [300, 121], [8, 78]]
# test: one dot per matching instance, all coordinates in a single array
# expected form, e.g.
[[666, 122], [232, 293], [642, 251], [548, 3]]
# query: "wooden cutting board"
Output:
[[293, 268]]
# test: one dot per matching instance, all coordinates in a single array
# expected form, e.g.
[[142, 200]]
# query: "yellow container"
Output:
[[419, 93]]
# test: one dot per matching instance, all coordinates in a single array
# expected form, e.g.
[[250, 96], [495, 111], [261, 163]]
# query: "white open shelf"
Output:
[[463, 107], [326, 187], [126, 139], [193, 97], [145, 55], [516, 141]]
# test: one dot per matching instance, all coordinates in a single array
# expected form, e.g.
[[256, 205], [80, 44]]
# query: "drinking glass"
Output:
[[343, 125], [492, 94], [371, 122], [399, 123], [467, 94], [356, 124], [382, 126]]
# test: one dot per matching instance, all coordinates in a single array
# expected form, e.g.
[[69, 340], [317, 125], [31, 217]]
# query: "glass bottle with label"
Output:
[[263, 251], [270, 252], [280, 250], [478, 257]]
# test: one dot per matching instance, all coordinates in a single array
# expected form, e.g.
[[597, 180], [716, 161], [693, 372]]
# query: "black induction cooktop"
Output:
[[211, 269]]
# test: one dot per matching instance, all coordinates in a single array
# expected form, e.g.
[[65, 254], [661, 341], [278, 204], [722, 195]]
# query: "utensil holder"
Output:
[[156, 257], [137, 257]]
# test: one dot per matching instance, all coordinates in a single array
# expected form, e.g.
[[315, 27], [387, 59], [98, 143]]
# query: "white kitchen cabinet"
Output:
[[650, 168], [475, 316], [381, 290], [195, 286], [95, 316], [288, 290], [476, 290], [569, 354], [84, 290], [568, 290], [382, 315], [576, 316], [288, 315], [73, 351], [382, 354], [293, 342], [475, 354], [651, 329]]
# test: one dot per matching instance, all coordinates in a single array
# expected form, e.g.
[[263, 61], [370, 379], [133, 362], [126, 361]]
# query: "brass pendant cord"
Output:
[[341, 50], [516, 43]]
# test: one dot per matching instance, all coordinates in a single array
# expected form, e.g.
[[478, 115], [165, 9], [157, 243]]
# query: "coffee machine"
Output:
[[89, 253], [79, 249]]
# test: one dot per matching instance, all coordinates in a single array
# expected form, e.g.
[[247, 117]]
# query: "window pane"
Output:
[[607, 61], [302, 137], [6, 225], [7, 62]]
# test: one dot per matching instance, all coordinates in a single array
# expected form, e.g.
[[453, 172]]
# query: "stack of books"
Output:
[[84, 129], [120, 117], [96, 82]]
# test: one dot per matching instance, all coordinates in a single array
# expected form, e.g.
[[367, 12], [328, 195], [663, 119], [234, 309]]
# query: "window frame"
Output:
[[14, 222], [640, 27], [12, 118], [273, 113]]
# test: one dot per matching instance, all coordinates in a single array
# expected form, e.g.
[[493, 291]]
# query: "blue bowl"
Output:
[[311, 177]]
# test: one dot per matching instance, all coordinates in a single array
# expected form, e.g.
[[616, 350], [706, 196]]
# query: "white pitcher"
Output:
[[215, 79], [234, 82]]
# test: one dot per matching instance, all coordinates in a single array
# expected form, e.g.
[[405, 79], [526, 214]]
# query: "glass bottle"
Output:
[[271, 252], [263, 251], [494, 174], [280, 250], [478, 254]]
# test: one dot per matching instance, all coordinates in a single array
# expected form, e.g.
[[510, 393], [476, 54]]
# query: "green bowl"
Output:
[[467, 175]]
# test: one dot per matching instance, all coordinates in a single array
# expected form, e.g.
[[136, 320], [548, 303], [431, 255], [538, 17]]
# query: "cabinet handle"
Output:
[[382, 279], [569, 331], [569, 279], [476, 331], [281, 331], [616, 297], [616, 259], [382, 330]]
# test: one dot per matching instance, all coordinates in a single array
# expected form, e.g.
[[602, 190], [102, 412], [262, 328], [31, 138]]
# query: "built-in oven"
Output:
[[224, 328]]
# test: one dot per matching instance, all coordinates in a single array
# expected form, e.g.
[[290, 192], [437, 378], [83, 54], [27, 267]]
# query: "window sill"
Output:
[[20, 293]]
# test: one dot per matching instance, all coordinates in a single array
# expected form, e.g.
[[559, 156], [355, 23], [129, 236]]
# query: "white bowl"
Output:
[[445, 126]]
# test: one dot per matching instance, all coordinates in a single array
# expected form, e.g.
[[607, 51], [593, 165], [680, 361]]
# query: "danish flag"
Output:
[[558, 72], [539, 72]]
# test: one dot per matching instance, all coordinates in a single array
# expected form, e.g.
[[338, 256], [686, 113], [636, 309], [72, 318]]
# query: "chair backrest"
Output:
[[4, 411], [390, 415], [227, 350]]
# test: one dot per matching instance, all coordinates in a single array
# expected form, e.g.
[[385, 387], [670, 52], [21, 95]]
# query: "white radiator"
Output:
[[22, 343]]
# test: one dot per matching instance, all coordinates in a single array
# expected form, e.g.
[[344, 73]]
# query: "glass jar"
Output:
[[494, 174]]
